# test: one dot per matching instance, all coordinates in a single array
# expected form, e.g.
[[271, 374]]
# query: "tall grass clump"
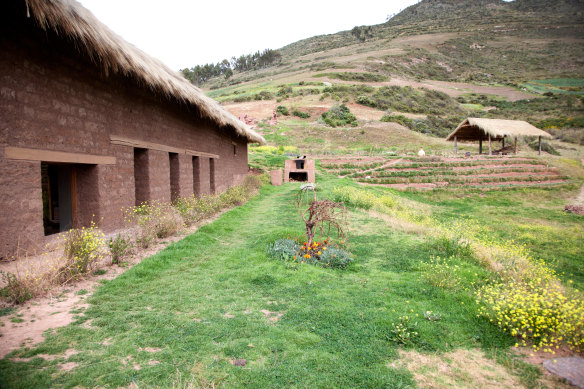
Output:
[[83, 249], [120, 247], [362, 199], [156, 219], [18, 290], [193, 209]]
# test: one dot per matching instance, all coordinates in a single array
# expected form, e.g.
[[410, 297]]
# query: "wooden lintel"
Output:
[[119, 140], [201, 154], [57, 156]]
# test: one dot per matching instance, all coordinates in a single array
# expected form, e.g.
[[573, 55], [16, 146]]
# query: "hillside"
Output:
[[426, 69], [531, 38]]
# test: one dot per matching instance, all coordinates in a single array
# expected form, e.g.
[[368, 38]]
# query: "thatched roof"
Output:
[[114, 55], [479, 128]]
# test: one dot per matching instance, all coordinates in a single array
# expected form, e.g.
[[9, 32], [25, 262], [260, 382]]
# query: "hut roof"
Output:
[[114, 55], [479, 128]]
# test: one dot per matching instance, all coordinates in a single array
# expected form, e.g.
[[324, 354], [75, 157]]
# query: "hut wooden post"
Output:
[[515, 145], [490, 150], [539, 152], [455, 146], [503, 140], [481, 146]]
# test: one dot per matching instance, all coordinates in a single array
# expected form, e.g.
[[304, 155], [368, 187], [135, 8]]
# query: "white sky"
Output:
[[185, 33]]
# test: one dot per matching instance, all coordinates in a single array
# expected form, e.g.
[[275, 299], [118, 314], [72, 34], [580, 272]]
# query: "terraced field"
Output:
[[437, 172]]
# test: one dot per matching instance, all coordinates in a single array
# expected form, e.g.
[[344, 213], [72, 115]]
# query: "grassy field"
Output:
[[184, 316]]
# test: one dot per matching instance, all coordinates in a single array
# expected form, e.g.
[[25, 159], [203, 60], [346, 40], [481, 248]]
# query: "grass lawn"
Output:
[[183, 315], [533, 217]]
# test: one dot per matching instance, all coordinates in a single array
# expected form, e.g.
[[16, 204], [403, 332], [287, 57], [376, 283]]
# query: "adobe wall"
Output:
[[53, 99]]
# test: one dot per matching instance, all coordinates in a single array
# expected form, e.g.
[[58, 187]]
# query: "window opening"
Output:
[[174, 176]]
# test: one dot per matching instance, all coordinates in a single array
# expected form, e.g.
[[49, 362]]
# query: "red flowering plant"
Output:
[[324, 218]]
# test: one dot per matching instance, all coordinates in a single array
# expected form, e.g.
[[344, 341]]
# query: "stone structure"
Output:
[[248, 120], [91, 125], [299, 169], [276, 177]]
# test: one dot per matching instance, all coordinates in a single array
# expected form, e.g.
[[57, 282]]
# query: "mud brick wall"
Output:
[[20, 205], [53, 98], [184, 186]]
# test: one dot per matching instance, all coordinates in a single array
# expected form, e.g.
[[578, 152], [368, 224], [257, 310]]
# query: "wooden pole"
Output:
[[481, 146], [515, 145], [490, 150], [455, 146], [503, 140], [539, 153]]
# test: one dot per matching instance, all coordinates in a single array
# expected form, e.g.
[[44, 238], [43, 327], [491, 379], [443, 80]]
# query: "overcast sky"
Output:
[[185, 33]]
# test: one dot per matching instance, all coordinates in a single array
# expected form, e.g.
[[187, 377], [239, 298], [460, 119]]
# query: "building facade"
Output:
[[89, 128]]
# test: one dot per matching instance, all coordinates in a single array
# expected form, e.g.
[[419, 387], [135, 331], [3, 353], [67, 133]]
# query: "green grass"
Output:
[[336, 325], [573, 86], [533, 217]]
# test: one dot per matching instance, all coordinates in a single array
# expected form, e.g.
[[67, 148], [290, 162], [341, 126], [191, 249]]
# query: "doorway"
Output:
[[58, 194]]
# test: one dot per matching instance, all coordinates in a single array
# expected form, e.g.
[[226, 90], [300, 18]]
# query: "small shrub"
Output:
[[404, 332], [339, 115], [196, 208], [284, 91], [366, 100], [440, 273], [120, 247], [282, 110], [156, 220], [335, 257], [300, 114], [83, 248], [540, 313], [323, 254], [545, 147], [16, 290], [263, 95], [284, 249], [431, 316]]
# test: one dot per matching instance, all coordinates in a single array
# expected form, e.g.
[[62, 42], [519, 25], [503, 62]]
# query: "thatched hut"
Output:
[[91, 125], [473, 129]]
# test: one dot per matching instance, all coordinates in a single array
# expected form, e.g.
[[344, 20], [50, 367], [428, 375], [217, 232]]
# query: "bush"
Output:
[[284, 249], [263, 95], [156, 220], [335, 257], [16, 290], [282, 110], [284, 91], [323, 254], [300, 114], [545, 147], [440, 273], [339, 115], [194, 209], [84, 247], [534, 311], [404, 332], [120, 247], [366, 100]]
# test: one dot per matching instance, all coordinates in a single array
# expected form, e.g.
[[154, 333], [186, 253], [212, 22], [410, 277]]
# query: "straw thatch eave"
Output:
[[473, 129], [69, 19]]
